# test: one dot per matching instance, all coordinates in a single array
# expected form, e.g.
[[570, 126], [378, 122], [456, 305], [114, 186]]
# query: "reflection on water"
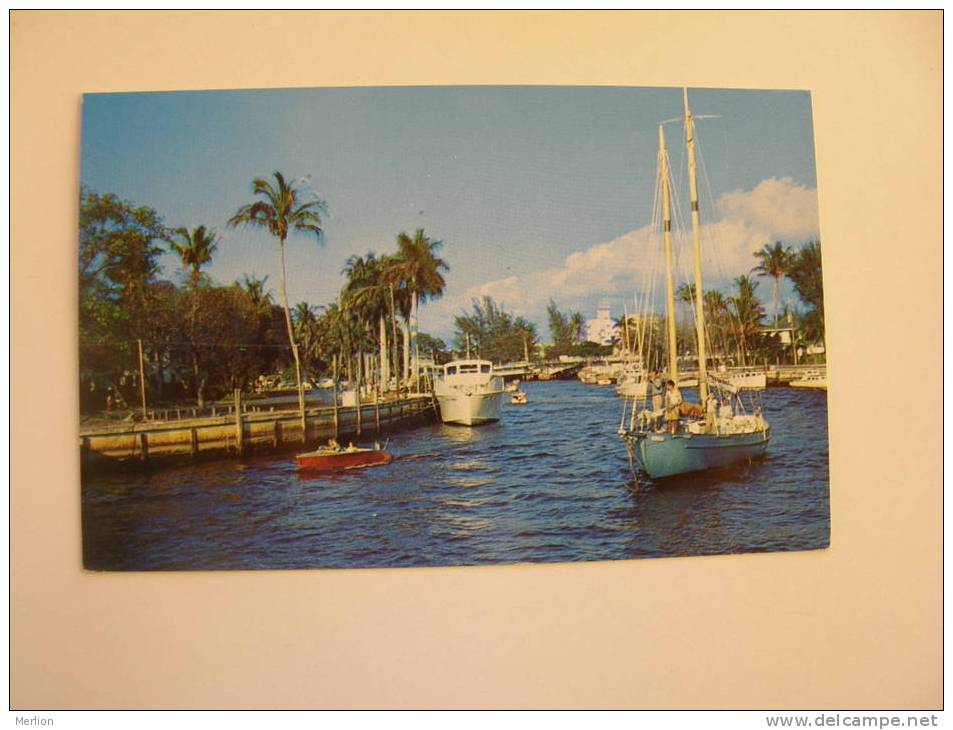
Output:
[[550, 482]]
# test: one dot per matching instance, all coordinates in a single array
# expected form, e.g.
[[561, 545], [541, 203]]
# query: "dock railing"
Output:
[[242, 427]]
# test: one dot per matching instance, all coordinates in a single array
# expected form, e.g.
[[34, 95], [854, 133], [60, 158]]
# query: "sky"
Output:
[[536, 192]]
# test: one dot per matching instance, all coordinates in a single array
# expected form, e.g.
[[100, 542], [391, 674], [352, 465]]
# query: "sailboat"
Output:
[[717, 433]]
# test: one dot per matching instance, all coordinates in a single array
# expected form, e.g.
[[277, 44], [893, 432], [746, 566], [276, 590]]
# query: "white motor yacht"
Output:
[[469, 393]]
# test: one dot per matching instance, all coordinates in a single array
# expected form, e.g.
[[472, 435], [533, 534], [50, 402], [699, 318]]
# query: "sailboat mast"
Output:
[[697, 239], [669, 256], [625, 330]]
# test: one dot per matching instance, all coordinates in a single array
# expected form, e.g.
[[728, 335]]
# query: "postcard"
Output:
[[425, 326]]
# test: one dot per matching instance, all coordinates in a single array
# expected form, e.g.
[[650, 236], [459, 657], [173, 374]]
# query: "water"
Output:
[[549, 483]]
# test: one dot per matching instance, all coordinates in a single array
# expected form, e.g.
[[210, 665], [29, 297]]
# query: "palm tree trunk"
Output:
[[775, 297], [405, 331], [291, 339], [385, 371], [393, 326], [199, 382], [413, 336]]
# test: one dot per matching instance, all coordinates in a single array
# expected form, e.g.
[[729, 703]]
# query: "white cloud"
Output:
[[776, 206], [776, 209]]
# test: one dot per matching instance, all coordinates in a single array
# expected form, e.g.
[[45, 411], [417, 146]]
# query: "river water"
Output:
[[549, 483]]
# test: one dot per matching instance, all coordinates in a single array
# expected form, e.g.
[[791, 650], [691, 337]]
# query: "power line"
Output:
[[215, 344]]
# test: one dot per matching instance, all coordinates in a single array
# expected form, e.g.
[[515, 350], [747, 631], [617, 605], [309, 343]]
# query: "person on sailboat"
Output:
[[711, 411], [673, 399], [725, 410]]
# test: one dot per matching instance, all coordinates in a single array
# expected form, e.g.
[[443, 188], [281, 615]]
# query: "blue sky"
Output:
[[517, 181]]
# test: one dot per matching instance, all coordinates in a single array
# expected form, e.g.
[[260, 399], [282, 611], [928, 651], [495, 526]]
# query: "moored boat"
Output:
[[744, 380], [469, 393], [813, 379], [519, 398]]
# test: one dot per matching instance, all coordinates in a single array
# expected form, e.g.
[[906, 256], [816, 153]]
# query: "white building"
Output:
[[603, 329]]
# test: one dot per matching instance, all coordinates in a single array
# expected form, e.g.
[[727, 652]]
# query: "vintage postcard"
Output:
[[421, 326]]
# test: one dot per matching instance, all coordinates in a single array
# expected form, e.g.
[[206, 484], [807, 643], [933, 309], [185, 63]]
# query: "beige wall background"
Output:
[[854, 626]]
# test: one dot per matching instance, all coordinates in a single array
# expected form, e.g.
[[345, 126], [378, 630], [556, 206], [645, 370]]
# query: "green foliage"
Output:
[[747, 314], [281, 208], [494, 333], [565, 328], [416, 268], [434, 348], [118, 263], [805, 273], [774, 261], [195, 248]]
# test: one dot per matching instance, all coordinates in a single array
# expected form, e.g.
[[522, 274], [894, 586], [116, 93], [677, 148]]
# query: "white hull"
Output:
[[633, 390], [470, 410], [815, 383], [811, 379], [468, 393], [749, 381]]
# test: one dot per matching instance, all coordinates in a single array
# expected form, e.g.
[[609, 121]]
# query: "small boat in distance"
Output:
[[519, 398], [469, 393], [813, 379], [745, 380], [331, 458]]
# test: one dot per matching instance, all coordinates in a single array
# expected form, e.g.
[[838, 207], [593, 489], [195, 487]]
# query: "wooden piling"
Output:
[[223, 436], [239, 434], [334, 393]]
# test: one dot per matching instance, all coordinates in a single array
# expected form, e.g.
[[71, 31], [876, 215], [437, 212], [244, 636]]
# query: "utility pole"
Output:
[[142, 380]]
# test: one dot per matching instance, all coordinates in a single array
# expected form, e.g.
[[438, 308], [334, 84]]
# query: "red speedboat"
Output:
[[349, 458]]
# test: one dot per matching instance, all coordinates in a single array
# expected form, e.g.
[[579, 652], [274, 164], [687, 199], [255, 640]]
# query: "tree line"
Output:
[[737, 326], [738, 330], [201, 339]]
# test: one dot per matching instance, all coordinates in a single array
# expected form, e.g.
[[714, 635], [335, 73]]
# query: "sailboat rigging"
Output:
[[699, 437]]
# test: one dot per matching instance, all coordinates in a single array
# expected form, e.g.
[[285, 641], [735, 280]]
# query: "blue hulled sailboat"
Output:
[[706, 437]]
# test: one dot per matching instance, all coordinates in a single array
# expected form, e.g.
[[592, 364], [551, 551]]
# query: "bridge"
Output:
[[545, 370]]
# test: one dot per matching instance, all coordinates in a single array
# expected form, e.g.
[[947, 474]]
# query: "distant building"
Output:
[[603, 329]]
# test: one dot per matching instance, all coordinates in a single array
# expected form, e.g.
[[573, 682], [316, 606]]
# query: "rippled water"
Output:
[[548, 483]]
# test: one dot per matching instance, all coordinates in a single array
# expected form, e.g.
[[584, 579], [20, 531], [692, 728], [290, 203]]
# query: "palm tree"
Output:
[[282, 208], [255, 289], [775, 261], [420, 271], [717, 318], [367, 291], [748, 313], [577, 327], [195, 248], [686, 294]]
